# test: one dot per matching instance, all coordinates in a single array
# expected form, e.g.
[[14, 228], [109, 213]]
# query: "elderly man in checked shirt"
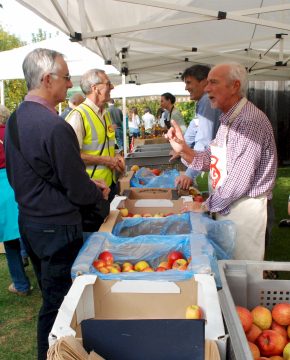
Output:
[[242, 160]]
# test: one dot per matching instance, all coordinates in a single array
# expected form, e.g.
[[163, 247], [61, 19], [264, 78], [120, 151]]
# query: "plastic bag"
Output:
[[221, 233], [144, 178], [151, 248], [170, 225]]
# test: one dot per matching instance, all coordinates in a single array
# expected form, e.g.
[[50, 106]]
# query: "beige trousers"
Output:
[[250, 218]]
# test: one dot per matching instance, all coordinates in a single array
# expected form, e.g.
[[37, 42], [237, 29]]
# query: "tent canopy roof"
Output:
[[79, 59], [155, 40]]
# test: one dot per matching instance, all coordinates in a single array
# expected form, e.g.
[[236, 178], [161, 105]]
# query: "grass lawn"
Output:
[[18, 315]]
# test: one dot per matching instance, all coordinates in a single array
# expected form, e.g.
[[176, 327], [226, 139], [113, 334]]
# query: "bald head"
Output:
[[75, 100], [227, 84]]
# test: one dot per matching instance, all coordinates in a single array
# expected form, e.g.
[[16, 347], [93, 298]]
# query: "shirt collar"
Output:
[[93, 106], [40, 100], [224, 118]]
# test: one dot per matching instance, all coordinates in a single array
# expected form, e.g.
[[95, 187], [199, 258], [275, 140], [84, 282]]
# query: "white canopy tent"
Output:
[[133, 90], [155, 40], [78, 57]]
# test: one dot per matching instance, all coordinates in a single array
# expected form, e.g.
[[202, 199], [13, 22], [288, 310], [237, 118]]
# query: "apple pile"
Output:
[[267, 332], [105, 264], [126, 214]]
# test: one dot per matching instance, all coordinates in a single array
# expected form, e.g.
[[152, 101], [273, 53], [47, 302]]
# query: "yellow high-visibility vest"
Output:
[[99, 140]]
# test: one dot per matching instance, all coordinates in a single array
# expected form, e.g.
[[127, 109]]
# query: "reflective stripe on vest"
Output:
[[96, 133]]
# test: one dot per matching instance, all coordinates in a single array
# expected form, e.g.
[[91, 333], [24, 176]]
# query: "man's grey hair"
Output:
[[37, 63], [238, 72], [4, 114], [91, 77]]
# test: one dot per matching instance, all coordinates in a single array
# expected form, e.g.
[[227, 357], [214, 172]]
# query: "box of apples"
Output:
[[94, 309], [256, 309]]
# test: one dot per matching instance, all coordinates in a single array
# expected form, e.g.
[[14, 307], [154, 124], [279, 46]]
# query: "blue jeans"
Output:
[[23, 251], [119, 138], [15, 265], [52, 250]]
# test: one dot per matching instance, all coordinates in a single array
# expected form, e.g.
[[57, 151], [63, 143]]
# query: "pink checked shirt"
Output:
[[251, 158]]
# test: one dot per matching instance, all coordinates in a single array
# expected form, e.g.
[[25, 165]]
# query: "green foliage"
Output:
[[14, 90], [39, 36], [8, 41], [187, 108]]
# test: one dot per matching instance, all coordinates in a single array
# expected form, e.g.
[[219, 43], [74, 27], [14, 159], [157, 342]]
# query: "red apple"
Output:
[[254, 350], [286, 352], [99, 263], [174, 255], [253, 333], [198, 198], [148, 269], [281, 313], [179, 264], [160, 268], [134, 168], [246, 317], [113, 269], [147, 215], [193, 312], [141, 265], [137, 216], [270, 343], [288, 331], [262, 317], [164, 264], [107, 257], [156, 172], [124, 212], [104, 270], [279, 328], [127, 266]]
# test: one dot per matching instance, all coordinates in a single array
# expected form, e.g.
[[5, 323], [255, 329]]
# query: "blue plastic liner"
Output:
[[170, 225], [151, 248], [144, 178]]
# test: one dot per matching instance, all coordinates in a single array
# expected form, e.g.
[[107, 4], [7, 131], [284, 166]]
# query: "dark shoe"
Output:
[[13, 290], [284, 223], [25, 261]]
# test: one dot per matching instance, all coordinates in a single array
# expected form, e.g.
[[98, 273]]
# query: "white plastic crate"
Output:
[[243, 284]]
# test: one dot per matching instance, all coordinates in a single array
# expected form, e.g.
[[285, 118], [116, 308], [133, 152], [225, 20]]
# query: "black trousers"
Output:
[[52, 250]]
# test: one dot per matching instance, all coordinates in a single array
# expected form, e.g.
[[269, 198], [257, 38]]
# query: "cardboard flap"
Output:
[[153, 203], [143, 286]]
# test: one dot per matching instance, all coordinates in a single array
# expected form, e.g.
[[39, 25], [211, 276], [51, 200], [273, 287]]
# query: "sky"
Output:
[[18, 20]]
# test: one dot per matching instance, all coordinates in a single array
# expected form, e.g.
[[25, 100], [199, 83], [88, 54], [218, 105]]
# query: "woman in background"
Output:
[[134, 123], [9, 233]]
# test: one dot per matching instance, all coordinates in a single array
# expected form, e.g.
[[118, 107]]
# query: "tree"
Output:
[[14, 90]]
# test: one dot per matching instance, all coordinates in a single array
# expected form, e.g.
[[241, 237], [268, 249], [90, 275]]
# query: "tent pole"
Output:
[[2, 92], [124, 117]]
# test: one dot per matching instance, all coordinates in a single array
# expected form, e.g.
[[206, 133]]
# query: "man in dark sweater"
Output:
[[50, 182]]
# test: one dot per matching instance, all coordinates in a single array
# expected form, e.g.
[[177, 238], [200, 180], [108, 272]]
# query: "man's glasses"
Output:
[[66, 77]]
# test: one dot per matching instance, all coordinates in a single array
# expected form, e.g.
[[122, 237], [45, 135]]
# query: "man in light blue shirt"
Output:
[[195, 78]]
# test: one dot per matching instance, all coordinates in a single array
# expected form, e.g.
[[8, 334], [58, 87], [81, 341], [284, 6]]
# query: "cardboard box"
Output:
[[150, 193], [124, 181], [124, 184], [92, 298], [141, 206]]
